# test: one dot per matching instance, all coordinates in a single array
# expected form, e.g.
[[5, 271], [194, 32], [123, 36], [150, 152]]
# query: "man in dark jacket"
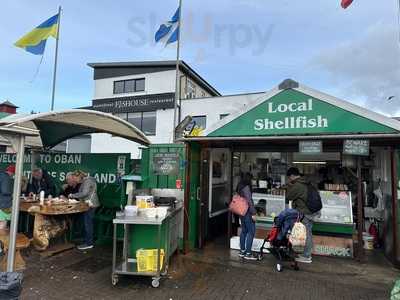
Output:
[[297, 194], [41, 181], [6, 189]]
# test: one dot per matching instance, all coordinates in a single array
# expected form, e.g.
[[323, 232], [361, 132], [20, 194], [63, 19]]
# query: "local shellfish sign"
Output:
[[291, 122]]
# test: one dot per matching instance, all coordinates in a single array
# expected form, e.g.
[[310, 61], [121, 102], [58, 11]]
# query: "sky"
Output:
[[238, 46]]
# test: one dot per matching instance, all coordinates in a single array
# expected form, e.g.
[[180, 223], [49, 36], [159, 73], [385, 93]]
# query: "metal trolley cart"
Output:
[[128, 264]]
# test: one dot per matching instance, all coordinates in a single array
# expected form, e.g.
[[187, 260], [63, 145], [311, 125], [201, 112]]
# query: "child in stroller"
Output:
[[279, 244]]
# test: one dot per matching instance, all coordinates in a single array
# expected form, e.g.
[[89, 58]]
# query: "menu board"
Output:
[[166, 163], [310, 147], [336, 207], [356, 147]]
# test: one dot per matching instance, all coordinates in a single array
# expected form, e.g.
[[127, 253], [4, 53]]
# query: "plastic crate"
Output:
[[147, 260]]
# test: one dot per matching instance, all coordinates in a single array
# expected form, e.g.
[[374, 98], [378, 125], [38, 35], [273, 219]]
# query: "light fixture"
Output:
[[310, 162]]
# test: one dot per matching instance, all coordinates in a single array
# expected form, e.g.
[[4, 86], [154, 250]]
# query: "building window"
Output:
[[139, 85], [200, 121], [144, 121], [190, 89], [223, 116], [129, 86], [149, 120], [135, 119], [118, 87]]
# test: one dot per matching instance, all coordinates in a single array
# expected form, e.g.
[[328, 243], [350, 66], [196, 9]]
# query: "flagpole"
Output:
[[177, 81], [56, 59]]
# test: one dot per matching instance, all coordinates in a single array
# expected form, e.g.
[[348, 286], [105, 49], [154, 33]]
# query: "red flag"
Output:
[[346, 3]]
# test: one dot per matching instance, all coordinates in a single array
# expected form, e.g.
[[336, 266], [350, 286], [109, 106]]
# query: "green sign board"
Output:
[[292, 112], [105, 168], [310, 147], [166, 163], [356, 147]]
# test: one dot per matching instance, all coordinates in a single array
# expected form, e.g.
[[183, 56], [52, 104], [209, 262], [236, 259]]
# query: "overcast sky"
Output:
[[237, 45]]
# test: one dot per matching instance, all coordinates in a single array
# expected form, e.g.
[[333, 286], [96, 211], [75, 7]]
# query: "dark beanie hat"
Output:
[[293, 171]]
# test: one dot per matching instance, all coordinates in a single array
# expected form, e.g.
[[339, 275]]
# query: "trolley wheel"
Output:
[[114, 279], [155, 283], [279, 267]]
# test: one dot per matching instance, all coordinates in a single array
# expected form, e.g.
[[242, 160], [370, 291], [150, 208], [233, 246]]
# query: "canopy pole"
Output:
[[19, 146]]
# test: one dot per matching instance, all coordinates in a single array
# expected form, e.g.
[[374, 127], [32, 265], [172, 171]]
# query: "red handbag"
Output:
[[239, 205]]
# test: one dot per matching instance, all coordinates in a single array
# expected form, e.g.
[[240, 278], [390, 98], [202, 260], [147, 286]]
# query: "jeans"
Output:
[[248, 233], [308, 222], [88, 218]]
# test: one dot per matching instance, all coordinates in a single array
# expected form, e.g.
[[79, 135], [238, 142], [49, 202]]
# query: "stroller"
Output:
[[279, 244]]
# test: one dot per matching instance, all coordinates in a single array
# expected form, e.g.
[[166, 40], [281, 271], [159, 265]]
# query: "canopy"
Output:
[[56, 127]]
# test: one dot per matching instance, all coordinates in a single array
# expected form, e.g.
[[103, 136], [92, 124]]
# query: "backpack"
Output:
[[297, 237], [314, 202]]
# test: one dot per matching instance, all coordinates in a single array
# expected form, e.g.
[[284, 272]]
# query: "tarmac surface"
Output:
[[213, 273]]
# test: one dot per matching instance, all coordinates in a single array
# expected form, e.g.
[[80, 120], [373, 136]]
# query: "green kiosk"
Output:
[[348, 152]]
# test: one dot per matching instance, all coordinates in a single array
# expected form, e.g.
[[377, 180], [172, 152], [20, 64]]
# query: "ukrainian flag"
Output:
[[35, 41]]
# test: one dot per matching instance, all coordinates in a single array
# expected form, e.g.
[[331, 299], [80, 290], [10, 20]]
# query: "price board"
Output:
[[310, 147], [356, 147]]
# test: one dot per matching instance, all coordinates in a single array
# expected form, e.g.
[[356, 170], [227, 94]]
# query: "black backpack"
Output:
[[314, 202]]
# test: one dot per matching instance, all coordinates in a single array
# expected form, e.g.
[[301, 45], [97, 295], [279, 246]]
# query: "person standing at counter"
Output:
[[248, 220], [87, 193], [41, 181], [297, 194]]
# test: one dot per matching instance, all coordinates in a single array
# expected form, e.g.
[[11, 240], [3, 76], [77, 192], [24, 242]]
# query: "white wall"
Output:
[[215, 106], [105, 143], [211, 107], [155, 83]]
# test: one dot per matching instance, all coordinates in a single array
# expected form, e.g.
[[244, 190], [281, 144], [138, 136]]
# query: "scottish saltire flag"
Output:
[[169, 31], [35, 41]]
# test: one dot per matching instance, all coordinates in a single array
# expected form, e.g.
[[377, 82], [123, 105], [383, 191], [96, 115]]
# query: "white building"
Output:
[[143, 93]]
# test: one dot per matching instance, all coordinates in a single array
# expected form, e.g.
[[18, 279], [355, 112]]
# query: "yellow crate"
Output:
[[147, 260]]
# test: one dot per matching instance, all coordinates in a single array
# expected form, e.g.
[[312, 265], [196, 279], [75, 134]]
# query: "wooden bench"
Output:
[[22, 242]]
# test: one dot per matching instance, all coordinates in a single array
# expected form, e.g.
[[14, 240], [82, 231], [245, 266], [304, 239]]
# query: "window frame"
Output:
[[201, 116], [135, 89]]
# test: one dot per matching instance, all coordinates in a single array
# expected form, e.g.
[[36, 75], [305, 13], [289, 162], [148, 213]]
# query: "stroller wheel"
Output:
[[279, 267], [295, 267]]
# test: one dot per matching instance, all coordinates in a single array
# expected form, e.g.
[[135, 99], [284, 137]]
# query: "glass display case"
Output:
[[336, 207], [268, 206]]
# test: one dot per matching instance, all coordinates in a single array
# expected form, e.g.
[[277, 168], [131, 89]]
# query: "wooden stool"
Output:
[[21, 243]]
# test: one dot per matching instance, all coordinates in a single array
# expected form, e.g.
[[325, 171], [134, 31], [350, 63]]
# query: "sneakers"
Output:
[[85, 247], [303, 259], [249, 256], [241, 253]]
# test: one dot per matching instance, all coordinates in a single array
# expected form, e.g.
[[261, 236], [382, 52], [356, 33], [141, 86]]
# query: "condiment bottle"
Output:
[[41, 198]]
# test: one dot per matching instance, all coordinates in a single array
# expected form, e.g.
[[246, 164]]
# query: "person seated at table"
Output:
[[87, 193], [41, 181], [71, 186]]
